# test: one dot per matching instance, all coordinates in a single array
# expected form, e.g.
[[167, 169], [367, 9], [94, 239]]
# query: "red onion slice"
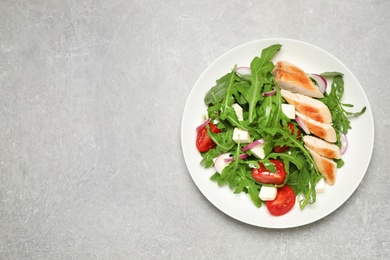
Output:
[[203, 124], [219, 162], [269, 93], [321, 82], [252, 145], [241, 156], [228, 159], [302, 125], [344, 143], [243, 71]]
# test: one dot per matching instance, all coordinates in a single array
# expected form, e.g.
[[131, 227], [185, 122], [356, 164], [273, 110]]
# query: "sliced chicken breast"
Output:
[[324, 131], [313, 108], [327, 167], [292, 78], [322, 147]]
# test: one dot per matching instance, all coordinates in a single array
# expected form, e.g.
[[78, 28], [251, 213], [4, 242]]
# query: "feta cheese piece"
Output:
[[258, 151], [268, 193], [320, 186], [289, 110], [241, 136], [238, 110]]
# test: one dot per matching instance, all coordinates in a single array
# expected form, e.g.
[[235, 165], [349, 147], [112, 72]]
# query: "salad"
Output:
[[256, 147]]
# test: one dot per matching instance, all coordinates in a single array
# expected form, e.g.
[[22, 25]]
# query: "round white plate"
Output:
[[239, 206]]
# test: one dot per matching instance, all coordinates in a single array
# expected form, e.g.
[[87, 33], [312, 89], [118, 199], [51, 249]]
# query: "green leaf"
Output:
[[339, 162], [208, 157], [229, 99], [254, 194], [223, 140], [216, 93], [266, 55], [260, 67], [241, 186], [340, 116], [269, 165], [331, 74], [354, 114], [253, 188], [244, 88], [215, 177]]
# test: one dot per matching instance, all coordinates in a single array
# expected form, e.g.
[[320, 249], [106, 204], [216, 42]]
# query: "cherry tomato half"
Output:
[[203, 141], [281, 149], [283, 203], [265, 176]]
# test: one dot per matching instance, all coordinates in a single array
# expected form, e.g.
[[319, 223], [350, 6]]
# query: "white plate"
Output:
[[239, 206]]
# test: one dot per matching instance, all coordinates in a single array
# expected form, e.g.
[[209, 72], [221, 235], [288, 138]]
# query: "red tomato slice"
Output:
[[281, 149], [203, 141], [283, 203], [265, 176]]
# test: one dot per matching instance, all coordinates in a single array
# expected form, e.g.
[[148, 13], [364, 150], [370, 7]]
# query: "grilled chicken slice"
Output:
[[310, 107], [322, 147], [327, 167], [324, 131], [290, 77]]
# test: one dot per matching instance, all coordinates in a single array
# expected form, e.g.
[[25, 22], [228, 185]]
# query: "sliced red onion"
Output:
[[302, 125], [344, 143], [203, 124], [243, 71], [252, 145], [321, 82], [241, 156], [269, 93], [219, 162]]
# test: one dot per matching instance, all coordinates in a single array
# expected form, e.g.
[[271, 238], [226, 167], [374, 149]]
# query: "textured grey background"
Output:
[[91, 99]]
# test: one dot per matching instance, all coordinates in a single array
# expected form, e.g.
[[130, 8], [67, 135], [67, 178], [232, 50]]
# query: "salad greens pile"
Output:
[[333, 101], [264, 119]]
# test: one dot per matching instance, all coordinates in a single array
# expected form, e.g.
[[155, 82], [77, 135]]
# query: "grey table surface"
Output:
[[91, 100]]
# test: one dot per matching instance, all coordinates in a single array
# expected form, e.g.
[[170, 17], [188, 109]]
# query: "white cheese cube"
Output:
[[268, 193], [320, 186], [238, 110], [289, 110], [241, 136], [258, 151]]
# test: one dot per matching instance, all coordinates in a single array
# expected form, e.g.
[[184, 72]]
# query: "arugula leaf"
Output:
[[223, 140], [231, 91], [277, 114], [208, 157], [331, 74], [260, 67], [242, 88], [216, 93], [339, 162], [340, 116]]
